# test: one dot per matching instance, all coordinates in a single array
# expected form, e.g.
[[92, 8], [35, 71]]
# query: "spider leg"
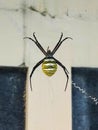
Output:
[[65, 70], [37, 44], [59, 44], [34, 70]]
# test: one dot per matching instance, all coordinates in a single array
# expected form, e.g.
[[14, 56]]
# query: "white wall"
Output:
[[48, 106]]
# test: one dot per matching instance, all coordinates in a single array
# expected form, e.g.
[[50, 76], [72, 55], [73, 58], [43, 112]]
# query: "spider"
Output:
[[49, 63]]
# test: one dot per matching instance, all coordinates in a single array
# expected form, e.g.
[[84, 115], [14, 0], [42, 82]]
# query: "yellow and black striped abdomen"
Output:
[[49, 66]]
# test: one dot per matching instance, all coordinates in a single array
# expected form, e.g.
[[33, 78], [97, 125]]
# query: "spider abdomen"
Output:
[[49, 66]]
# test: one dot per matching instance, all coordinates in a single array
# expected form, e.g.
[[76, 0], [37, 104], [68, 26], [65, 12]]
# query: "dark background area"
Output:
[[84, 110], [12, 98]]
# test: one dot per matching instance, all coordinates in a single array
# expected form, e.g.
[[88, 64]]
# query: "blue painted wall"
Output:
[[12, 101], [84, 109]]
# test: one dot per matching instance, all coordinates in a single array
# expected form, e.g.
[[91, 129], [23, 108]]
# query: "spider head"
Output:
[[48, 49], [49, 53]]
